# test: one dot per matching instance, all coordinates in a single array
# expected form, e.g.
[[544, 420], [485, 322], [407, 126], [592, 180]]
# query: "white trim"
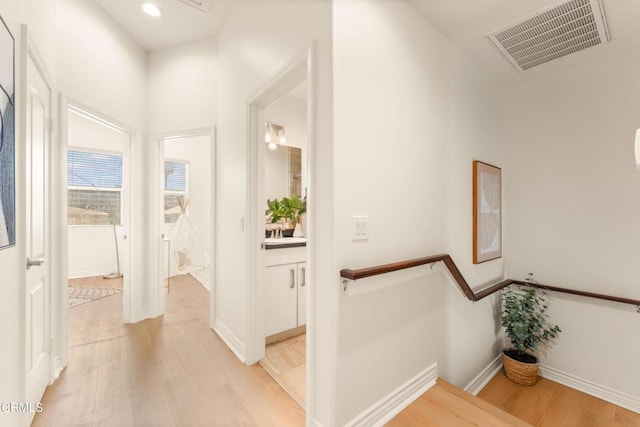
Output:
[[316, 423], [61, 230], [91, 273], [392, 404], [25, 49], [58, 366], [117, 125], [132, 310], [484, 376], [619, 398], [294, 73], [230, 339], [203, 277], [624, 400]]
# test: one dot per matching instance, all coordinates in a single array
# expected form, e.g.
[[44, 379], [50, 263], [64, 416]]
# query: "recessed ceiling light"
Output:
[[151, 9]]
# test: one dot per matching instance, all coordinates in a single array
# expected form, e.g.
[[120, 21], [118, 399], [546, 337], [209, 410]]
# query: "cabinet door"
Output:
[[302, 293], [281, 298]]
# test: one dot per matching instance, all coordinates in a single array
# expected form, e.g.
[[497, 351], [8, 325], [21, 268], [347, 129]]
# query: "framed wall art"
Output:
[[7, 138], [487, 212]]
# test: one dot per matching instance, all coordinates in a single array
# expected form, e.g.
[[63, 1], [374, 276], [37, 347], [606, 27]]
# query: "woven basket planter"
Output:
[[520, 372]]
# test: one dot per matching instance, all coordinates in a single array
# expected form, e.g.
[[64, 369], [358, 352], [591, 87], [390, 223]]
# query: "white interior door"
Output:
[[38, 285]]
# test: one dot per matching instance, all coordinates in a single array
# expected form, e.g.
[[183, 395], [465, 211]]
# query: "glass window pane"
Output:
[[86, 169], [94, 207], [175, 176], [94, 180]]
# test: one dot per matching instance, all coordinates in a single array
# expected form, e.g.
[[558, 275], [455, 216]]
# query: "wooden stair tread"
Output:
[[445, 404], [482, 404]]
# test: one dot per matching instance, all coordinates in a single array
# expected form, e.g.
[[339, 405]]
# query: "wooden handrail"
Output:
[[462, 283], [581, 293]]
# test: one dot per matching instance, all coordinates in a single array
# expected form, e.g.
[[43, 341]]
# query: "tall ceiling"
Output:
[[464, 22], [180, 23]]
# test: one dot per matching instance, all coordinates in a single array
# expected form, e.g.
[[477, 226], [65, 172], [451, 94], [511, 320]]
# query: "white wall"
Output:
[[182, 87], [37, 15], [410, 113], [251, 50], [99, 66], [574, 209]]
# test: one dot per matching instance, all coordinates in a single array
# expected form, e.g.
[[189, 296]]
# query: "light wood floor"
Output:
[[170, 371], [285, 362], [504, 403], [96, 282], [551, 404]]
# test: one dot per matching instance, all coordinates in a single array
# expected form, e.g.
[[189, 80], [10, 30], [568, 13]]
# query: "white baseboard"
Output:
[[202, 276], [90, 273], [230, 339], [392, 404], [58, 367], [484, 376], [624, 400]]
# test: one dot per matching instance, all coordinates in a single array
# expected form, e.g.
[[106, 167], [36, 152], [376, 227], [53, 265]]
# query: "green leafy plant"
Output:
[[524, 317], [290, 209]]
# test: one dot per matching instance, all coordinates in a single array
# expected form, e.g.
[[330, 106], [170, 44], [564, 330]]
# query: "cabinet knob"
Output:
[[293, 278], [304, 276]]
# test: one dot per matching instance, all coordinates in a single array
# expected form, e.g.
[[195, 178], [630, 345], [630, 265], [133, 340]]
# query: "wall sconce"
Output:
[[638, 148], [273, 132]]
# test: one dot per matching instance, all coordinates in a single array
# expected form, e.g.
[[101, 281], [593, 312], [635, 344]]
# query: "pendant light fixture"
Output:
[[274, 135]]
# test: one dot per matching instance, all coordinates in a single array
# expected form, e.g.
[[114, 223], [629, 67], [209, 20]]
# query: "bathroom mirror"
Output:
[[283, 170]]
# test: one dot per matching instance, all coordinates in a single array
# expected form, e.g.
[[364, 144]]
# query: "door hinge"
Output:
[[50, 125]]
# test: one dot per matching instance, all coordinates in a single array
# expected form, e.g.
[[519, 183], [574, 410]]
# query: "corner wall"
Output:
[[574, 210], [411, 112]]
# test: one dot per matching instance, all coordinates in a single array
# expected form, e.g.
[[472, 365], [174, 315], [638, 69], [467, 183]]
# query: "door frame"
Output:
[[28, 49], [131, 300], [157, 167], [299, 69]]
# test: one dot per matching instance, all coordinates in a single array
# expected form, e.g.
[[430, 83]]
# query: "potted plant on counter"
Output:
[[288, 209], [524, 317]]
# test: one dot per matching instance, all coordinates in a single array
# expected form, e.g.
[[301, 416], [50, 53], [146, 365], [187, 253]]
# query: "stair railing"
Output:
[[350, 274]]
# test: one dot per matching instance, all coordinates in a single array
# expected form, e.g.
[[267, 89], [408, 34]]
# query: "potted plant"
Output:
[[288, 209], [524, 317]]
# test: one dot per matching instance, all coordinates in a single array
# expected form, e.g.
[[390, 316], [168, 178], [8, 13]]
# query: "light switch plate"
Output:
[[360, 228]]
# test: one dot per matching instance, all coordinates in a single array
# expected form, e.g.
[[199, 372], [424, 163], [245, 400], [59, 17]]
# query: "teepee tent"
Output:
[[187, 254]]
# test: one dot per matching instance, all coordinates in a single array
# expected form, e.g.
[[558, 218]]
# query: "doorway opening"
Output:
[[98, 189], [280, 287], [186, 220]]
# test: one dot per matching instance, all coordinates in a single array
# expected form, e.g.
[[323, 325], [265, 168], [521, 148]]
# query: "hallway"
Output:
[[170, 371]]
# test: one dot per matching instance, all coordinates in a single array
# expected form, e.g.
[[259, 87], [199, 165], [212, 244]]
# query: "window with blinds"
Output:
[[175, 187], [94, 188]]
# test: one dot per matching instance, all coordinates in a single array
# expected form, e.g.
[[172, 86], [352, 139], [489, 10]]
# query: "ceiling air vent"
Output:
[[203, 5], [552, 33]]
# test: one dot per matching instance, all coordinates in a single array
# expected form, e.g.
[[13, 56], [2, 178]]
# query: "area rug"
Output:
[[79, 295]]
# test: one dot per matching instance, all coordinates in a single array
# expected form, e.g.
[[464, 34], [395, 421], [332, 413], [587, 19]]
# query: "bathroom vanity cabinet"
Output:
[[285, 289]]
